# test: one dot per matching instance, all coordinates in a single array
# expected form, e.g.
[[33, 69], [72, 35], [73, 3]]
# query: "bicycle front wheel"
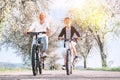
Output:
[[68, 63], [34, 60]]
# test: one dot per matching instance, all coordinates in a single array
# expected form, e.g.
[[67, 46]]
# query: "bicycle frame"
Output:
[[68, 47]]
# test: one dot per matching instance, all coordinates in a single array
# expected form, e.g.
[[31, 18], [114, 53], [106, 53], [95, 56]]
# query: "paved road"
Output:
[[61, 75]]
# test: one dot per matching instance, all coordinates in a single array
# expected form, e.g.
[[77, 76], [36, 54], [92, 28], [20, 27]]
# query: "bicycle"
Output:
[[69, 55], [37, 60]]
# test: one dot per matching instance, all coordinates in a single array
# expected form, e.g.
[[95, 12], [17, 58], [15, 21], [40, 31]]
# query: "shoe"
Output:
[[75, 60], [44, 54], [63, 67]]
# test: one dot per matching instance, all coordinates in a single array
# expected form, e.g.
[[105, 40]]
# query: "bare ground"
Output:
[[61, 75]]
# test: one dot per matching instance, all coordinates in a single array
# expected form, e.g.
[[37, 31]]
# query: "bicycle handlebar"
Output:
[[36, 33], [74, 39], [69, 40]]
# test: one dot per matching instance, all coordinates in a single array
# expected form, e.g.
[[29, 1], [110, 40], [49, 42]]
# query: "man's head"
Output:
[[67, 21], [42, 16]]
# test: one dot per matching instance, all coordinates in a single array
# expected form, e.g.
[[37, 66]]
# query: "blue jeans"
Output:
[[43, 40]]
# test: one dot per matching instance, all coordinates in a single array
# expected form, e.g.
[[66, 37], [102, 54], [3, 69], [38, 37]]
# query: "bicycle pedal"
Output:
[[44, 57], [75, 62]]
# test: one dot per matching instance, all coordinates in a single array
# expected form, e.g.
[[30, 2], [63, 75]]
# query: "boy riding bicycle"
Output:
[[68, 32], [40, 26]]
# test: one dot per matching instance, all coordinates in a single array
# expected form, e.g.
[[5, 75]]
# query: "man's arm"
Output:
[[47, 31], [29, 29]]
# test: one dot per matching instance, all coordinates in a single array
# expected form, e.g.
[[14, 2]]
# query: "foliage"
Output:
[[52, 61], [17, 16], [85, 44], [97, 16], [100, 16], [17, 19]]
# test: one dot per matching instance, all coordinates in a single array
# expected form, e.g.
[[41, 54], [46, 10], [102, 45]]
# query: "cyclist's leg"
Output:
[[72, 46], [64, 57], [64, 66], [44, 41], [76, 59]]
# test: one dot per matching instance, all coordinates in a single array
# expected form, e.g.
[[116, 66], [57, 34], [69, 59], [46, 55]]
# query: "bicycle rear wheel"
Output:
[[68, 63], [34, 60]]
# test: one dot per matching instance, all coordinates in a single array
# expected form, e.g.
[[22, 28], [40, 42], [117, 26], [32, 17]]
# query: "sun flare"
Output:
[[89, 12]]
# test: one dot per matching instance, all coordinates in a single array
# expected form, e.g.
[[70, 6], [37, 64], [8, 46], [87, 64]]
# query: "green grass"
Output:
[[104, 69], [13, 69]]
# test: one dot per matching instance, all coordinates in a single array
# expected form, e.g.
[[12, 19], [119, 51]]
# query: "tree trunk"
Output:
[[85, 65], [101, 47], [103, 56]]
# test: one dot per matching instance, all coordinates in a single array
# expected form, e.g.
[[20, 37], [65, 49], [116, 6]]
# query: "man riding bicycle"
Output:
[[68, 32], [40, 26]]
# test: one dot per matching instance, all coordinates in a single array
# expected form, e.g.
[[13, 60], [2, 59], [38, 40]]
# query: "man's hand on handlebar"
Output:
[[25, 33]]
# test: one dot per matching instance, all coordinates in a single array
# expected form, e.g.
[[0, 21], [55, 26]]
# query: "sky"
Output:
[[58, 11], [9, 55]]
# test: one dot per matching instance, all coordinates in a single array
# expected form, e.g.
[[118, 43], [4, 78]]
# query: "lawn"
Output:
[[104, 69], [13, 69]]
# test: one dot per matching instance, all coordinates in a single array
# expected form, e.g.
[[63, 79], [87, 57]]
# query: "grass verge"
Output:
[[13, 69], [105, 69]]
